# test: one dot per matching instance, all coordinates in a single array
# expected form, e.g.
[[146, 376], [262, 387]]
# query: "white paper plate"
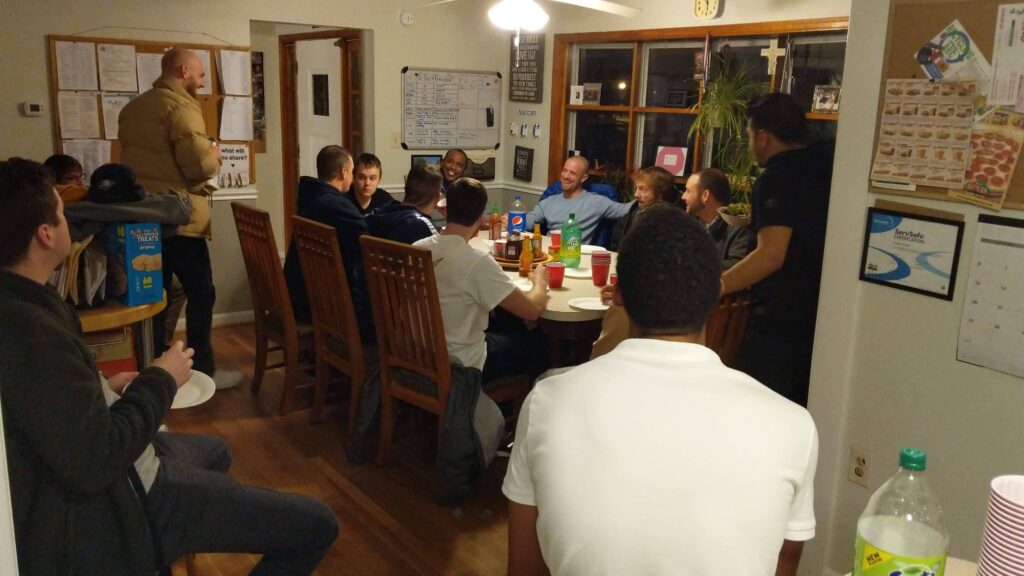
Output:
[[524, 284], [590, 249], [580, 272], [590, 303], [197, 390]]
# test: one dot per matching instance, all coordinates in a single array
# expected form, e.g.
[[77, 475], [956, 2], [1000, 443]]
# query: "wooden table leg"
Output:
[[569, 343]]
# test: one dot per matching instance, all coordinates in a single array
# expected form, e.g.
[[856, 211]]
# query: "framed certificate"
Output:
[[912, 252]]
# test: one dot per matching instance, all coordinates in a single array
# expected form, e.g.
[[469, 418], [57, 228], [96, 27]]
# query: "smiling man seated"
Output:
[[653, 459]]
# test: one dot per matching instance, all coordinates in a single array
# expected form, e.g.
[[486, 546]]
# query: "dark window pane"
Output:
[[665, 130], [670, 79], [321, 95], [814, 65], [601, 137], [823, 130], [612, 68], [736, 57]]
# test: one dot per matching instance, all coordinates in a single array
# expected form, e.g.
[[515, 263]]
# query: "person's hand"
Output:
[[177, 361], [118, 382], [504, 221], [539, 277], [607, 294]]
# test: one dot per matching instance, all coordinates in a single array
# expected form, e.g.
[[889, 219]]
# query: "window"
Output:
[[642, 88]]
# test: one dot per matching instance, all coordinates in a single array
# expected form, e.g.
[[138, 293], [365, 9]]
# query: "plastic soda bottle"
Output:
[[538, 241], [494, 226], [901, 531], [517, 216], [526, 259], [571, 243]]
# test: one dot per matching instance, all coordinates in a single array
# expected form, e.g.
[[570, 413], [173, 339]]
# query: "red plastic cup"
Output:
[[613, 278], [599, 271], [556, 237], [556, 273]]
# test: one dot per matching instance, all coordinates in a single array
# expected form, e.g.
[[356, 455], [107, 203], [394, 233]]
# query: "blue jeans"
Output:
[[196, 507]]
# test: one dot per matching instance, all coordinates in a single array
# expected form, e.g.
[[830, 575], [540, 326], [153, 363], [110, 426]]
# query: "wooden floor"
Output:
[[389, 523]]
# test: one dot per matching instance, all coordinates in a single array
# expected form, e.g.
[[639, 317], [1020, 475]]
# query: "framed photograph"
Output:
[[676, 98], [911, 252], [431, 160], [826, 99], [592, 93]]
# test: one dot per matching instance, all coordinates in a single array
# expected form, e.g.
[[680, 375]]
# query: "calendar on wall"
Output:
[[992, 325]]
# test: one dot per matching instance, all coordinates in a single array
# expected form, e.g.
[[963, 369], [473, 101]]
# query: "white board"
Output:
[[444, 109]]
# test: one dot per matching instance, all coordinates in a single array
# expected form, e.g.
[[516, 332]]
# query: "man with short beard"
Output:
[[163, 138]]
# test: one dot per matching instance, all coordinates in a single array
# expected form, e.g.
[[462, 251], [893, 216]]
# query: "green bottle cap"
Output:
[[913, 459]]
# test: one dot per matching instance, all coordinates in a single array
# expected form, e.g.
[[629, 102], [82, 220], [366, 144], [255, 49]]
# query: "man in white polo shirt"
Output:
[[470, 284], [656, 458]]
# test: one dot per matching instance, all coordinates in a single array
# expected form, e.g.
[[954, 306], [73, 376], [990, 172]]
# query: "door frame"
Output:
[[289, 109]]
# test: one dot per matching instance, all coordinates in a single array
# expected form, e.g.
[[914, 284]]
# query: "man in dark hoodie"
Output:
[[790, 209], [366, 193], [410, 221], [322, 199]]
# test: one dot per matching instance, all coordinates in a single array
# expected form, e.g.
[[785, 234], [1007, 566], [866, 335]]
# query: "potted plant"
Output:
[[721, 119]]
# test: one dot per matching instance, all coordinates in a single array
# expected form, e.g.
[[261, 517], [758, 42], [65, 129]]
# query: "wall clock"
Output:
[[707, 9]]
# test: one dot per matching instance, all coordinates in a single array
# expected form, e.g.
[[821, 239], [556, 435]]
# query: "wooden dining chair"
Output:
[[274, 319], [410, 335], [727, 324], [336, 332]]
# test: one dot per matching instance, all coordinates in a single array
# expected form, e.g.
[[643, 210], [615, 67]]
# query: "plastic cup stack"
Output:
[[600, 263], [1002, 545]]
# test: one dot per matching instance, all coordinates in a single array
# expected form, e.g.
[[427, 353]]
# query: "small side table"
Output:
[[115, 315]]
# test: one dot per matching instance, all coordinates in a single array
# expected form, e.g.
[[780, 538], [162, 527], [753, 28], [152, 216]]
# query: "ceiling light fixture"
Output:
[[518, 15]]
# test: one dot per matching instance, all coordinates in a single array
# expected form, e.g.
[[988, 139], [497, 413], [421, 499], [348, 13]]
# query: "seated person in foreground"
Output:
[[364, 192], [590, 209], [70, 177], [80, 506], [653, 185], [321, 199], [646, 495], [409, 221], [706, 192], [470, 284]]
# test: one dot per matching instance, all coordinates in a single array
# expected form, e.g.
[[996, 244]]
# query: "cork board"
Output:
[[912, 23], [208, 103]]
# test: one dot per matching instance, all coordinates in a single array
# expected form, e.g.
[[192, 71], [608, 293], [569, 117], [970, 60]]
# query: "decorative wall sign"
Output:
[[523, 169], [526, 69]]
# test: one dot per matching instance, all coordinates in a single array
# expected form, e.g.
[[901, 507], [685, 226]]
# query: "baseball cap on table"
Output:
[[114, 183]]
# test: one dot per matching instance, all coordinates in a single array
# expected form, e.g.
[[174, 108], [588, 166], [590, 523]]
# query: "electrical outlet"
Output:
[[859, 471], [396, 140]]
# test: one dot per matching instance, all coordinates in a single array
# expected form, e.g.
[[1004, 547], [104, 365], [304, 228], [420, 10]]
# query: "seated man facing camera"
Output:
[[625, 464]]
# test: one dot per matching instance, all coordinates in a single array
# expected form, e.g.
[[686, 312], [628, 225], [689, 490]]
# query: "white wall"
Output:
[[885, 374]]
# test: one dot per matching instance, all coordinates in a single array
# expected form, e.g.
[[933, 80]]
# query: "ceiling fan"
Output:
[[529, 16]]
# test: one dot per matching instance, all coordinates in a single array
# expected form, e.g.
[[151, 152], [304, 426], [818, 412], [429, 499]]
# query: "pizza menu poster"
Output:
[[925, 133], [996, 142]]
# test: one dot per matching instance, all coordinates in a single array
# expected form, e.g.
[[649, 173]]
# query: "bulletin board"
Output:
[[211, 104], [912, 23], [444, 109]]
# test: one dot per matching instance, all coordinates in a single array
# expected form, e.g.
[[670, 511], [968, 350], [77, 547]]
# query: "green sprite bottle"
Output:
[[901, 531], [572, 242]]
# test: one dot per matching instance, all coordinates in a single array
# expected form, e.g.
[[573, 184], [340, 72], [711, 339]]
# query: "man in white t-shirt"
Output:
[[470, 284], [656, 458]]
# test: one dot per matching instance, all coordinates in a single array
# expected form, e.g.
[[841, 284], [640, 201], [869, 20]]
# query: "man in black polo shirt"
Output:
[[790, 209]]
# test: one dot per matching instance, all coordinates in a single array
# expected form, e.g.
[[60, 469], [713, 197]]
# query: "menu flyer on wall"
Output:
[[992, 322], [1007, 56], [925, 133], [953, 55], [996, 142]]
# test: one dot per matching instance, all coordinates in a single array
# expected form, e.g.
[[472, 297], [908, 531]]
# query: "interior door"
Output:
[[318, 99]]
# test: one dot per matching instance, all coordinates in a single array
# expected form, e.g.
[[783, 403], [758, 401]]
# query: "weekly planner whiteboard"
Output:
[[444, 109]]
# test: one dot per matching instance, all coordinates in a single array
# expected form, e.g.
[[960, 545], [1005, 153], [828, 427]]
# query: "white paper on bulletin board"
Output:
[[992, 323], [450, 109]]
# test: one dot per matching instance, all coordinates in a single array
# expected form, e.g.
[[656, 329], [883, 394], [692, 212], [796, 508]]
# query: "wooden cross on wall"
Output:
[[772, 53]]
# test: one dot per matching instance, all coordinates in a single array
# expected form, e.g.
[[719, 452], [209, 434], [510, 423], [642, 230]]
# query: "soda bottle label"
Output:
[[870, 560], [517, 222]]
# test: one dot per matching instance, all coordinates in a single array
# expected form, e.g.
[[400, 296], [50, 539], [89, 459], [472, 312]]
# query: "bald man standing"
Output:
[[163, 138]]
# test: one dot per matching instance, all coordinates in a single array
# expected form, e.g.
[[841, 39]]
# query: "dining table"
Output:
[[571, 329]]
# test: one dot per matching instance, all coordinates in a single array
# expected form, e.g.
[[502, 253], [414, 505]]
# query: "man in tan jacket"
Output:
[[163, 138]]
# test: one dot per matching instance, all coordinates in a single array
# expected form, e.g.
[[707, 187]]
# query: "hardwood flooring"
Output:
[[389, 523]]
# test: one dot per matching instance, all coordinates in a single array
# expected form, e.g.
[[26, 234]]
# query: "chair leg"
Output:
[[387, 424], [291, 375], [355, 393], [323, 378], [261, 361]]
